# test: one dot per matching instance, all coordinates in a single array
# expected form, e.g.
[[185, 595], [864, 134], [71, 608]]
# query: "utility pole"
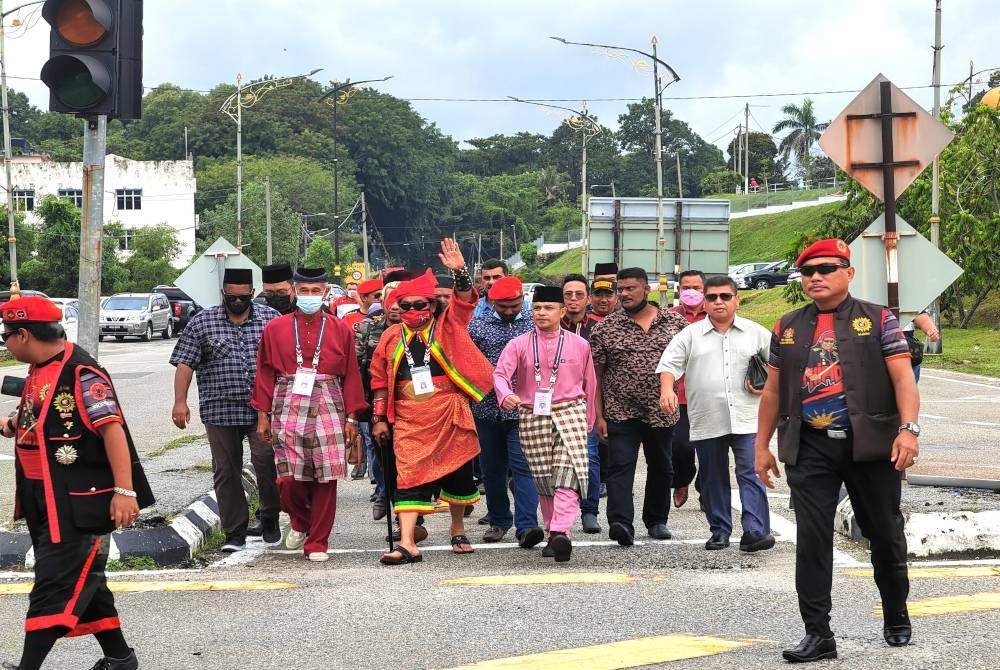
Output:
[[7, 157], [746, 163], [501, 241], [661, 276], [95, 137], [738, 154], [364, 233], [680, 184], [934, 310], [267, 207], [239, 161]]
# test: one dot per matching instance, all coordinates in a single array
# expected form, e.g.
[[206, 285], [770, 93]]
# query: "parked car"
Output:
[[795, 276], [138, 315], [71, 316], [773, 275], [738, 271], [182, 306]]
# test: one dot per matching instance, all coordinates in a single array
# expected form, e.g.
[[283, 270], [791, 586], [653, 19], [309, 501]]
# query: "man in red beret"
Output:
[[839, 372], [424, 371], [498, 429], [77, 478], [369, 293]]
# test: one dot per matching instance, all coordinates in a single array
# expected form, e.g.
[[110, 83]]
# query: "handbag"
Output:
[[916, 348], [756, 374], [356, 451]]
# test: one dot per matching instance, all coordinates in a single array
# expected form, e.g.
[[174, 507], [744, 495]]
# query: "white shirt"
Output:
[[714, 365]]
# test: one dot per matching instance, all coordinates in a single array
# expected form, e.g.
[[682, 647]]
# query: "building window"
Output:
[[125, 241], [24, 199], [74, 194], [129, 198]]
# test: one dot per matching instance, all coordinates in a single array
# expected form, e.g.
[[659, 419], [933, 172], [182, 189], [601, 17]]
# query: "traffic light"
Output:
[[95, 57]]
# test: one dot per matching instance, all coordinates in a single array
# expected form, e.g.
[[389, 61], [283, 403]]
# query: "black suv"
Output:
[[182, 307], [775, 274]]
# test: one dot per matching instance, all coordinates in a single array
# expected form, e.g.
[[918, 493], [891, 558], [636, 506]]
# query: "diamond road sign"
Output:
[[924, 271], [859, 141]]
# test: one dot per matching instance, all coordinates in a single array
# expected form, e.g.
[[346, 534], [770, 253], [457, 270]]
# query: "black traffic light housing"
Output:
[[95, 57]]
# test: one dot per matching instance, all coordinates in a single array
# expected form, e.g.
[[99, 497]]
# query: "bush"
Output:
[[720, 181], [793, 293], [529, 253]]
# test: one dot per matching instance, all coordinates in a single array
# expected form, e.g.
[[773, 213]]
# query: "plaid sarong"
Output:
[[309, 432], [556, 447]]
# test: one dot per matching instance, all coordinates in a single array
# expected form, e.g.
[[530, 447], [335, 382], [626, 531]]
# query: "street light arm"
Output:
[[617, 48], [337, 88], [20, 7], [256, 91]]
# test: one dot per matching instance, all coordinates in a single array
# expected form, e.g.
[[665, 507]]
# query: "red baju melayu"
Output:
[[308, 430]]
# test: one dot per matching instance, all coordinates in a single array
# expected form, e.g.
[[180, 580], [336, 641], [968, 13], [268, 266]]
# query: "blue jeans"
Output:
[[713, 472], [500, 446], [374, 467], [589, 504]]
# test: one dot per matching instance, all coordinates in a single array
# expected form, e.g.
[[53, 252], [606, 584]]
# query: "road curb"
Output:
[[934, 533], [169, 544]]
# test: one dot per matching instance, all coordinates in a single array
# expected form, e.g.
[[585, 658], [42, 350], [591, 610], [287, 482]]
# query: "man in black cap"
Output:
[[278, 292], [442, 294], [608, 271], [220, 343]]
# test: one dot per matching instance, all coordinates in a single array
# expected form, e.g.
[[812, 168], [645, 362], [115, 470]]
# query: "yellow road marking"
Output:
[[972, 602], [543, 578], [143, 587], [940, 573], [616, 655]]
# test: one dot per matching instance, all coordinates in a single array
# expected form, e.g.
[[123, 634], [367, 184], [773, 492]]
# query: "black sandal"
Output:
[[458, 540], [405, 557]]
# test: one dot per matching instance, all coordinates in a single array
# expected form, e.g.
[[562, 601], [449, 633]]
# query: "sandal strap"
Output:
[[459, 539]]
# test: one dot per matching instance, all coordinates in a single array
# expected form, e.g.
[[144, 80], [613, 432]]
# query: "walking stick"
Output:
[[390, 484]]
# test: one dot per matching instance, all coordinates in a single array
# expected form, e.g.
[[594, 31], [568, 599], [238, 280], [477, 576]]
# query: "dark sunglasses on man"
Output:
[[7, 334], [242, 297], [725, 297], [822, 268], [419, 305]]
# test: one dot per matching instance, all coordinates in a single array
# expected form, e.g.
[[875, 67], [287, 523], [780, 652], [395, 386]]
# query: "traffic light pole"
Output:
[[95, 136]]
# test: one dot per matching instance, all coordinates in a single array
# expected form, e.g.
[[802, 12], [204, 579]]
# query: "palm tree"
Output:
[[801, 121], [552, 183]]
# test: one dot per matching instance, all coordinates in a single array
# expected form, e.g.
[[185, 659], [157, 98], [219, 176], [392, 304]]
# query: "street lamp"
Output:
[[7, 152], [247, 96], [658, 104], [304, 233], [336, 95], [582, 121], [611, 186]]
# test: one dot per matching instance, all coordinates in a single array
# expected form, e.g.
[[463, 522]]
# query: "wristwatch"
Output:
[[912, 427]]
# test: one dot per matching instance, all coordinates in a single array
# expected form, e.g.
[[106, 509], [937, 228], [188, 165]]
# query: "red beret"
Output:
[[832, 248], [506, 288], [423, 287], [369, 286], [30, 309], [344, 300]]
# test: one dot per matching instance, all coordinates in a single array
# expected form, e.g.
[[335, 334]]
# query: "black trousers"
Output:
[[874, 487], [623, 455], [226, 445], [70, 589], [683, 452]]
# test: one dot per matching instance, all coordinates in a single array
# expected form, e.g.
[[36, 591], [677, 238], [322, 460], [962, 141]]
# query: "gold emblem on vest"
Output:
[[788, 336], [66, 455], [862, 326]]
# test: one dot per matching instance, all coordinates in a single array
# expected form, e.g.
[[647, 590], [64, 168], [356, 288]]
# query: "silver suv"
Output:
[[137, 314]]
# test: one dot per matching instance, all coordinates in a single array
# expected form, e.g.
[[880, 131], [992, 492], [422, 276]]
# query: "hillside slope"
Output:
[[768, 237]]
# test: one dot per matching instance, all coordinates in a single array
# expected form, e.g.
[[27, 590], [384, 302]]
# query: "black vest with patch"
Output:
[[871, 397]]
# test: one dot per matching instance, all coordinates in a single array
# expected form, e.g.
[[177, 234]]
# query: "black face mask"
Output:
[[282, 303], [235, 306], [638, 308]]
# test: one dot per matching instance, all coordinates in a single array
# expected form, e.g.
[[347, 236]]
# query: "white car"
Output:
[[71, 316]]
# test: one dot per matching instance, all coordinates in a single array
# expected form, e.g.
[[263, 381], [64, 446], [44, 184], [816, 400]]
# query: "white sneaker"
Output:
[[295, 539], [319, 556]]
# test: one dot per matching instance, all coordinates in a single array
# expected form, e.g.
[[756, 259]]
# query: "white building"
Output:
[[136, 193]]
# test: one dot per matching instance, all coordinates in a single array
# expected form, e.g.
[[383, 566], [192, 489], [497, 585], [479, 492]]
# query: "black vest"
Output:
[[871, 397], [78, 494]]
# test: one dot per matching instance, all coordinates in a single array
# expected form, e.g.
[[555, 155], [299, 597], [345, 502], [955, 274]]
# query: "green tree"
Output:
[[565, 152], [720, 181], [153, 248], [529, 253], [320, 254], [25, 234], [220, 221], [803, 131], [503, 154], [764, 163]]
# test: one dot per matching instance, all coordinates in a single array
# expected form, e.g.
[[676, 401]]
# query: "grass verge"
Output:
[[132, 563], [769, 237], [738, 202], [175, 443]]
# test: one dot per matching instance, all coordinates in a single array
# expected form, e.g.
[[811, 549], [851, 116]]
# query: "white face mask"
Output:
[[309, 304]]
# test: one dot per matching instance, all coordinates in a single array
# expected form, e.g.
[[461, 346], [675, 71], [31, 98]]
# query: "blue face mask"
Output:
[[309, 304]]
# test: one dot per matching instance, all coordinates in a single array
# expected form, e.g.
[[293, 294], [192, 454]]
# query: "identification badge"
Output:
[[543, 403], [423, 382], [304, 380]]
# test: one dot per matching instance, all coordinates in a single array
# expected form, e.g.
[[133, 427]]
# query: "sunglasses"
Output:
[[574, 294], [7, 334], [245, 297], [822, 268], [725, 297], [419, 305]]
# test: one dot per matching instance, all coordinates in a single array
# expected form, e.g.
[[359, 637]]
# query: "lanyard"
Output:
[[555, 362], [298, 347], [427, 350]]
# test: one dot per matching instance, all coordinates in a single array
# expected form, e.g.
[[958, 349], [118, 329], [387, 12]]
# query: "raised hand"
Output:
[[451, 255]]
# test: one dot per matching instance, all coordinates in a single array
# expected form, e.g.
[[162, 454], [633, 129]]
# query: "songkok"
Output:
[[423, 286], [506, 288], [547, 294], [241, 276], [445, 281], [275, 274], [606, 269], [397, 275], [831, 248], [369, 286], [311, 276], [602, 286], [30, 309]]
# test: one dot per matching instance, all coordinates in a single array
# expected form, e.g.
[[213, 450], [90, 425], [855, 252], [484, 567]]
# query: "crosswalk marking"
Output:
[[144, 587], [616, 655], [543, 578], [972, 602]]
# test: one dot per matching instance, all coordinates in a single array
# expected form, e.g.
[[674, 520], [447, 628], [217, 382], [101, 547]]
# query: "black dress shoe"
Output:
[[897, 630], [717, 541], [271, 532], [811, 648], [530, 537], [547, 550], [130, 662], [751, 542], [255, 529], [659, 531], [620, 533], [590, 524], [562, 547]]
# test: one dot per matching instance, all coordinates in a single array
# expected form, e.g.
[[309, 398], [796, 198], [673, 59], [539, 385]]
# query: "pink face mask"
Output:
[[692, 297]]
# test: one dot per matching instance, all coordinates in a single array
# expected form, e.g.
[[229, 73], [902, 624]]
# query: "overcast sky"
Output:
[[473, 49]]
